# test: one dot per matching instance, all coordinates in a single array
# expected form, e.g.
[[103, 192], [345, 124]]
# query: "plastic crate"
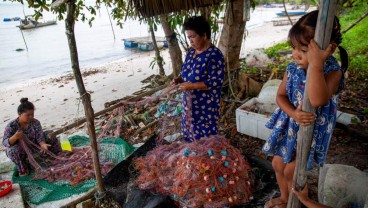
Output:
[[252, 116]]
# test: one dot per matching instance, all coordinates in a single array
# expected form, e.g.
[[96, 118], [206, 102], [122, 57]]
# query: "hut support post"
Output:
[[322, 37], [86, 98]]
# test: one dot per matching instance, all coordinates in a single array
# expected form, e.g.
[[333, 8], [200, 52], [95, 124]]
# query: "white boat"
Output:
[[29, 23]]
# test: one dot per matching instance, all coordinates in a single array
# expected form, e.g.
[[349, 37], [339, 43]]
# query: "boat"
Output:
[[145, 46], [11, 19], [291, 13], [268, 5], [30, 23]]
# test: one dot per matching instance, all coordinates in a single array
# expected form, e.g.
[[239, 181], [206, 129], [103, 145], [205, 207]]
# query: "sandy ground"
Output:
[[57, 98]]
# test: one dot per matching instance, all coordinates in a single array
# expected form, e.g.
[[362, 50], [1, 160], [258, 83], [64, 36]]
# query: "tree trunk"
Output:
[[286, 13], [232, 34], [322, 37], [206, 12], [174, 49], [159, 59], [86, 98]]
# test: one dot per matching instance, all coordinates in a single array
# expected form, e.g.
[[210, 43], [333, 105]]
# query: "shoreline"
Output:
[[56, 98]]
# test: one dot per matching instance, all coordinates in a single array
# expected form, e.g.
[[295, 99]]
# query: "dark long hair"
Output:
[[304, 29], [25, 105], [198, 24]]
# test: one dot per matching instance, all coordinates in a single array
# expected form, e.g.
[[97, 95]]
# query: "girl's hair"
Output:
[[25, 105], [199, 25], [304, 29]]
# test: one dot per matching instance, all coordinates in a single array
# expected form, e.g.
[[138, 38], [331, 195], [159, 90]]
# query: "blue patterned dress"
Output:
[[201, 107], [35, 134], [283, 139]]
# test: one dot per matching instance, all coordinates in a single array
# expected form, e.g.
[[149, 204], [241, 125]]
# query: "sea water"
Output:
[[48, 51]]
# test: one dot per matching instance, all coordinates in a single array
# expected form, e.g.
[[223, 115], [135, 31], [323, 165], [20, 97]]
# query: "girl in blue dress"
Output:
[[201, 80], [325, 83]]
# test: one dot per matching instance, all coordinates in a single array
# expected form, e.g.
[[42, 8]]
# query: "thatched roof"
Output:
[[149, 8]]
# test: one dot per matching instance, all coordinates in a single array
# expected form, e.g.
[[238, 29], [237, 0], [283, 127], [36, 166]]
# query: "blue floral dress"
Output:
[[201, 107], [35, 134], [283, 139]]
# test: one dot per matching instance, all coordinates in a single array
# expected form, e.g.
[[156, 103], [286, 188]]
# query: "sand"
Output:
[[57, 98]]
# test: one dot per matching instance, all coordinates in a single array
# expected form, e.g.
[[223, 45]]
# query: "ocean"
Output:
[[48, 52]]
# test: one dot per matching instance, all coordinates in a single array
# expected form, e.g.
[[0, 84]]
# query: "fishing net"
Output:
[[130, 121], [206, 173], [67, 173]]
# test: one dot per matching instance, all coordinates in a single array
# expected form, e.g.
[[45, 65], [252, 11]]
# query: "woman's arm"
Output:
[[282, 100], [11, 134], [186, 86], [17, 136], [303, 197]]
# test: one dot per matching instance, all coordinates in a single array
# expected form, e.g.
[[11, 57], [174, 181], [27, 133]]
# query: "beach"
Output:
[[57, 98]]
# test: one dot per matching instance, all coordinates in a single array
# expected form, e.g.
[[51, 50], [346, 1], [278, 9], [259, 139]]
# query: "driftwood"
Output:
[[134, 98], [248, 85], [81, 121]]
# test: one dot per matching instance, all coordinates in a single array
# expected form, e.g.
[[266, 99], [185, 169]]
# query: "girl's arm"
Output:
[[282, 100], [321, 87]]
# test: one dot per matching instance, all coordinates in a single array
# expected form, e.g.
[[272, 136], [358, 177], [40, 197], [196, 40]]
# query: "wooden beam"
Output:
[[322, 36]]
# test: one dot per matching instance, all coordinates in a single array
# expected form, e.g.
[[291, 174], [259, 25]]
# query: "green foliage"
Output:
[[83, 12], [355, 40], [279, 63], [245, 69], [156, 60]]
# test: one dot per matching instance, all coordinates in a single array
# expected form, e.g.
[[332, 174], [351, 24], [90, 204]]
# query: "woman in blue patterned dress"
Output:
[[201, 80], [26, 127], [325, 83]]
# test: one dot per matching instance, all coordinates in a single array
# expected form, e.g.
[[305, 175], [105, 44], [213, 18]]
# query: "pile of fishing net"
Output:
[[74, 166], [205, 173]]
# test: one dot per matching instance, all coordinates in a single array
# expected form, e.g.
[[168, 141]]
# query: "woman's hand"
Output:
[[177, 80], [303, 194], [186, 86], [44, 146], [18, 135], [303, 118]]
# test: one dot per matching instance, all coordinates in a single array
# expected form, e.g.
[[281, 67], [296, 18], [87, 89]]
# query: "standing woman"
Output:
[[201, 80], [26, 127]]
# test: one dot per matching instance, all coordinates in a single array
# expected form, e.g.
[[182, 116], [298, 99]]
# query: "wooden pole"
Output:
[[86, 98], [157, 51], [322, 36]]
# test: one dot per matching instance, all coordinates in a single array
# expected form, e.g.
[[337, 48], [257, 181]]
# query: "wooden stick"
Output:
[[83, 198], [144, 128]]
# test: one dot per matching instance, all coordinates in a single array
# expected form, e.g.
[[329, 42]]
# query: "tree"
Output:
[[174, 49], [232, 33]]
